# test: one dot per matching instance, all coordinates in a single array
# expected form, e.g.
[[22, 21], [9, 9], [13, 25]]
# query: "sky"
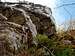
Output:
[[60, 14]]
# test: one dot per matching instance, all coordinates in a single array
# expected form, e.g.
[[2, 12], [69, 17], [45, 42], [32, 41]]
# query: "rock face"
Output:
[[19, 23], [12, 37]]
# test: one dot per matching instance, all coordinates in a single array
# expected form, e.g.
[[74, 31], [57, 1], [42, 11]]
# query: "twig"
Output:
[[48, 50]]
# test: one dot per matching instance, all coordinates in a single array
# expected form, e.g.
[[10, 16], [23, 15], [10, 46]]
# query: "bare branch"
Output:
[[65, 5]]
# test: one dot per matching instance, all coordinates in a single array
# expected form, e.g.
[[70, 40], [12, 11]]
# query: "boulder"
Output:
[[41, 16], [20, 22]]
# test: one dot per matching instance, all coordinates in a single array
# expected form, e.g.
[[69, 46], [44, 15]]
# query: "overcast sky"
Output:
[[49, 3], [60, 14]]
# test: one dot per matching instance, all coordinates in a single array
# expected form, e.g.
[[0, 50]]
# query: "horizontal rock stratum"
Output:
[[20, 22]]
